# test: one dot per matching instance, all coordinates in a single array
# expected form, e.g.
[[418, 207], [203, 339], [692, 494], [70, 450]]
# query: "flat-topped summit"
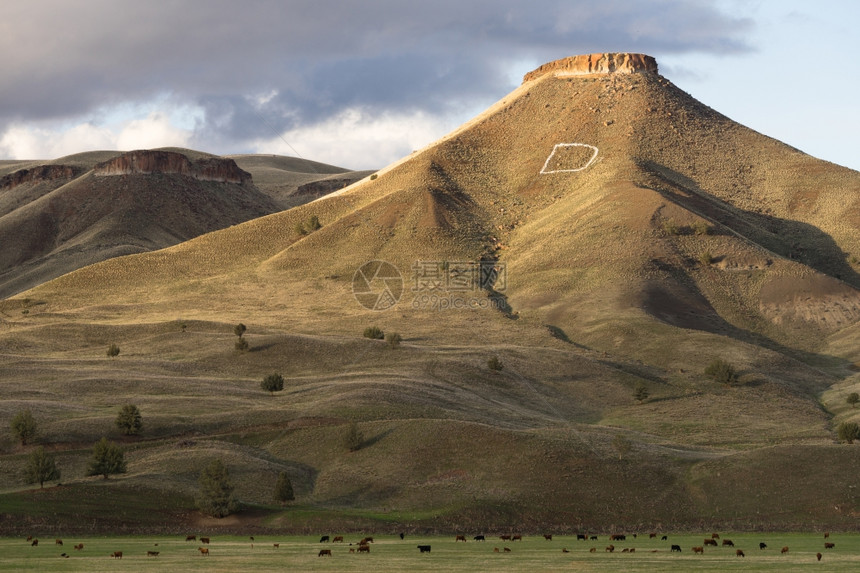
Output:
[[611, 63]]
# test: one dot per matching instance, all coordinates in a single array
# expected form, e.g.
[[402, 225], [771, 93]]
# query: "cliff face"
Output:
[[144, 161], [40, 173], [612, 63]]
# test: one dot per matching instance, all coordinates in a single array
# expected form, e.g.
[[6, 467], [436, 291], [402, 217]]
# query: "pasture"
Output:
[[390, 553]]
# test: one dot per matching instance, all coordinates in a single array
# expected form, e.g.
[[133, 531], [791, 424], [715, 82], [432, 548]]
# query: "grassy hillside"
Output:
[[684, 238]]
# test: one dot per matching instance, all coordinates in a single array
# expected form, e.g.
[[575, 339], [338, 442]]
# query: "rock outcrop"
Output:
[[39, 173], [144, 161], [612, 63]]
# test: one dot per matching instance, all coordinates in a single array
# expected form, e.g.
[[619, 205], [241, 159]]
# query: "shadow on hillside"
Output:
[[789, 239]]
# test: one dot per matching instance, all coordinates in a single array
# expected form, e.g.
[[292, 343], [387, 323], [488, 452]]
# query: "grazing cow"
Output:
[[324, 539], [29, 538], [548, 537], [507, 550], [762, 545], [204, 540], [652, 536], [58, 542], [784, 549], [152, 553], [699, 550], [116, 554], [610, 548], [564, 550], [402, 535], [203, 551], [338, 539], [664, 538], [676, 548], [728, 542], [252, 539], [365, 541], [617, 537], [364, 548], [715, 536], [34, 543], [818, 556], [190, 538], [424, 548], [710, 542], [352, 550], [64, 555], [460, 538], [516, 537], [479, 538], [495, 549], [828, 545], [276, 545], [739, 553], [593, 538], [826, 534], [593, 550], [625, 550], [324, 552], [505, 537], [79, 546], [580, 536]]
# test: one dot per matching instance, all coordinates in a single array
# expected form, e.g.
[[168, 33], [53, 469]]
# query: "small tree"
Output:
[[374, 332], [353, 439], [129, 420], [848, 432], [41, 467], [241, 344], [108, 458], [284, 488], [239, 329], [640, 392], [853, 398], [215, 497], [113, 350], [706, 258], [24, 426], [722, 372], [495, 364], [273, 383], [393, 339], [313, 224]]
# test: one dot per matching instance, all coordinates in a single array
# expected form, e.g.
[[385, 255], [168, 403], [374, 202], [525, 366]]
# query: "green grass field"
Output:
[[389, 553]]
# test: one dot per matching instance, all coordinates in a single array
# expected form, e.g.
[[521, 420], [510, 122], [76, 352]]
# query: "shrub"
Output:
[[353, 439], [670, 227], [374, 332], [374, 176], [721, 371], [129, 420], [108, 458], [640, 392], [848, 432], [495, 364], [41, 467], [215, 496], [853, 398], [284, 488], [706, 258], [313, 224], [700, 228], [393, 339], [299, 228], [241, 345], [24, 426], [113, 350], [273, 383]]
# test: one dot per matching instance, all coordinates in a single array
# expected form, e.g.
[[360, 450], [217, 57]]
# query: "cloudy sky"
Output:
[[361, 83]]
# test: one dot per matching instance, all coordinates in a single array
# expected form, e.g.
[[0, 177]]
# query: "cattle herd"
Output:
[[363, 545]]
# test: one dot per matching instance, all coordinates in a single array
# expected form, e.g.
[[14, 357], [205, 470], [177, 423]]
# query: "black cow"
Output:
[[580, 536], [676, 548], [402, 535], [424, 548], [762, 545], [479, 538], [324, 539]]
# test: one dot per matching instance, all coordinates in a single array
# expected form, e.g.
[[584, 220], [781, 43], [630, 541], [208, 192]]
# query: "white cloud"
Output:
[[155, 130], [359, 139]]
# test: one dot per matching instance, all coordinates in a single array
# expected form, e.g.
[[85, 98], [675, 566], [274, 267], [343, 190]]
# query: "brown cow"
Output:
[[352, 549], [652, 535], [58, 542], [818, 556], [495, 549], [116, 554], [204, 540], [610, 548], [715, 536], [699, 550], [324, 552], [828, 545], [365, 541], [564, 550], [364, 548], [29, 538], [190, 538], [203, 551], [516, 537], [784, 549], [593, 550], [728, 542], [79, 546], [152, 553], [548, 537], [507, 550], [710, 542], [338, 539], [34, 543], [276, 545], [739, 553], [826, 534], [460, 538], [505, 537]]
